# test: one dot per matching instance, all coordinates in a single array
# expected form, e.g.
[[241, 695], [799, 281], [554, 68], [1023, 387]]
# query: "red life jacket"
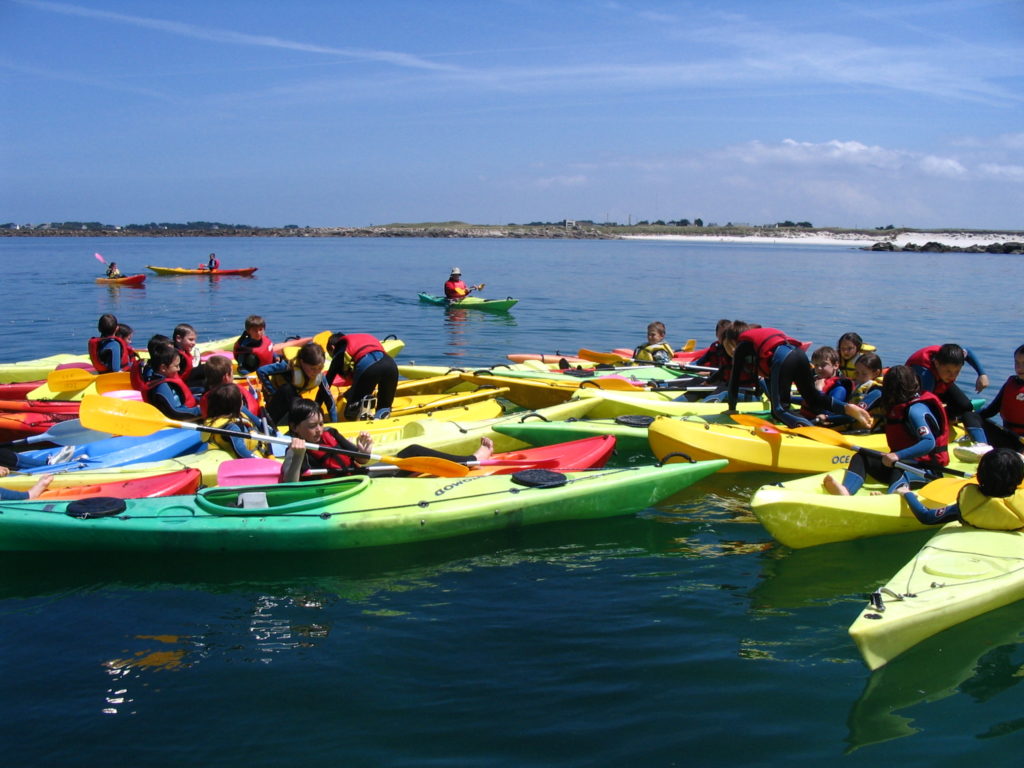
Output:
[[899, 435], [127, 353], [185, 364], [175, 382], [455, 289], [714, 356], [766, 341], [925, 358], [827, 387], [263, 352], [358, 345], [250, 401], [135, 375], [1011, 406], [334, 463]]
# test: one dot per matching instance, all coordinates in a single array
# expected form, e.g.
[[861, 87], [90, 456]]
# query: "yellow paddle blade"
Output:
[[69, 379], [608, 358], [689, 346], [321, 339], [944, 490], [821, 434], [122, 417], [427, 465], [111, 382]]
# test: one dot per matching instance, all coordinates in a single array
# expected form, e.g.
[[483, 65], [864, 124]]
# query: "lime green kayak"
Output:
[[960, 573], [338, 514], [471, 302]]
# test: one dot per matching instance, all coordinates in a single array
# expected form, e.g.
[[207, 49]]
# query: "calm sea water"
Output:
[[681, 636]]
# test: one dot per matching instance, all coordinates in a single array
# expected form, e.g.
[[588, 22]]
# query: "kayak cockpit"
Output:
[[281, 499]]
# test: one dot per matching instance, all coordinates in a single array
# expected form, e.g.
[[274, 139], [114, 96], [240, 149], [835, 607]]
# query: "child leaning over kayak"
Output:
[[995, 503]]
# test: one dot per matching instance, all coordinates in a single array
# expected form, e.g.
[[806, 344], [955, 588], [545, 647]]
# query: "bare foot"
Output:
[[861, 415], [41, 485], [835, 487], [485, 450]]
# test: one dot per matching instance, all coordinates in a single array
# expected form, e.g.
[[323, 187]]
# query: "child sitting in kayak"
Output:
[[217, 370], [108, 352], [850, 347], [254, 348], [165, 390], [937, 368], [656, 349], [917, 432], [300, 377], [995, 503], [306, 424], [225, 410], [112, 271], [184, 339]]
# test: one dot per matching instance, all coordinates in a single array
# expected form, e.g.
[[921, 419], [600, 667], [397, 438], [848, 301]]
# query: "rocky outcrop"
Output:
[[931, 246]]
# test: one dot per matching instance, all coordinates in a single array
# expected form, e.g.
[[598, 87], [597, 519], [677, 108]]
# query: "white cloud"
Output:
[[942, 166], [576, 180], [1006, 172]]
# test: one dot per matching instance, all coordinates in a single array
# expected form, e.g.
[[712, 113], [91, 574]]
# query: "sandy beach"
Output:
[[857, 240]]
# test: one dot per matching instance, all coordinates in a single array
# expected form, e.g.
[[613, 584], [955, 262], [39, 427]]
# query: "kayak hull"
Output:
[[338, 514], [471, 302], [176, 271], [126, 280], [960, 573]]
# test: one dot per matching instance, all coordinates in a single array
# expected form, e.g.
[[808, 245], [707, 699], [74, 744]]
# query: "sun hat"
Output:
[[456, 271]]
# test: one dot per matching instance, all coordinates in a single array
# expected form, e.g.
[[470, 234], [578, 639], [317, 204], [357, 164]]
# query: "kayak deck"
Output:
[[470, 302]]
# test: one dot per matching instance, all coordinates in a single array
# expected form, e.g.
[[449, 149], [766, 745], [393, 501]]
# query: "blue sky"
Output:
[[340, 113]]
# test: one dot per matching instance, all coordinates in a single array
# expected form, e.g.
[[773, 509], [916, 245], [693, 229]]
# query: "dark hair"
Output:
[[181, 329], [311, 353], [852, 337], [157, 341], [164, 355], [333, 342], [1000, 471], [123, 331], [950, 354], [825, 355], [1019, 350], [300, 410], [732, 333], [224, 400], [720, 326], [899, 385], [255, 321], [107, 325], [871, 361]]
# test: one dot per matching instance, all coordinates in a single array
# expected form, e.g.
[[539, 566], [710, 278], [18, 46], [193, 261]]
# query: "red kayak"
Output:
[[126, 280], [588, 453], [181, 482], [19, 424], [60, 407]]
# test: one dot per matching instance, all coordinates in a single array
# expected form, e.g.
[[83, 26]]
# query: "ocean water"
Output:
[[680, 636]]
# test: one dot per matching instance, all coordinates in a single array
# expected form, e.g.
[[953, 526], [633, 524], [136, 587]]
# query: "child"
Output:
[[1009, 405], [361, 358], [32, 493], [253, 348], [142, 371], [184, 338], [302, 377], [937, 368], [113, 271], [225, 411], [217, 371], [714, 356], [165, 390], [825, 362], [995, 503], [779, 359], [916, 430], [212, 262], [850, 347], [305, 424], [108, 352], [656, 350]]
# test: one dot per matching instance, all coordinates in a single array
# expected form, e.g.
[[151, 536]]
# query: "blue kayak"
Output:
[[114, 452]]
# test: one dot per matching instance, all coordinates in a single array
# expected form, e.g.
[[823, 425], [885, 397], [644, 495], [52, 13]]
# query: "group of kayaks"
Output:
[[576, 436], [139, 279]]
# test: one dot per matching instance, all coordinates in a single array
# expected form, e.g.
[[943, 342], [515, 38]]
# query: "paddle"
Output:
[[610, 358], [64, 433], [131, 417], [944, 490], [70, 379], [825, 435]]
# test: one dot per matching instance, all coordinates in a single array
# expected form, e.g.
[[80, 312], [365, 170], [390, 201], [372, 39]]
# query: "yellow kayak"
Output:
[[654, 403], [746, 452]]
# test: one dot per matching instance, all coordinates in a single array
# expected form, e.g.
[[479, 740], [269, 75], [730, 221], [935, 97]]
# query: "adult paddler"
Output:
[[455, 289]]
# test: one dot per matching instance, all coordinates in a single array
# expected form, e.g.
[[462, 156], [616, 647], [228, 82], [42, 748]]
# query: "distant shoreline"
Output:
[[894, 239]]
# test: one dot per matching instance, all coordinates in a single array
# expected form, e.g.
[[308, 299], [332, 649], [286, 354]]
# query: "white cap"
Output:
[[456, 271]]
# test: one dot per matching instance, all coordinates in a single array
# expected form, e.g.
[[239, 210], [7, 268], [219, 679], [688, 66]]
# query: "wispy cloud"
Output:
[[395, 58]]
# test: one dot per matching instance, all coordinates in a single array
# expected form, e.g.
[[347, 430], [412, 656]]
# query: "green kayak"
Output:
[[630, 432], [471, 302], [338, 514]]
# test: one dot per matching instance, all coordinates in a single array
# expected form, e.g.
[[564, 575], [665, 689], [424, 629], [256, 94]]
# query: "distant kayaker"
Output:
[[213, 263], [108, 352], [305, 423], [301, 377], [995, 503], [113, 271], [362, 359], [937, 368], [782, 363], [455, 289], [917, 433], [656, 349]]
